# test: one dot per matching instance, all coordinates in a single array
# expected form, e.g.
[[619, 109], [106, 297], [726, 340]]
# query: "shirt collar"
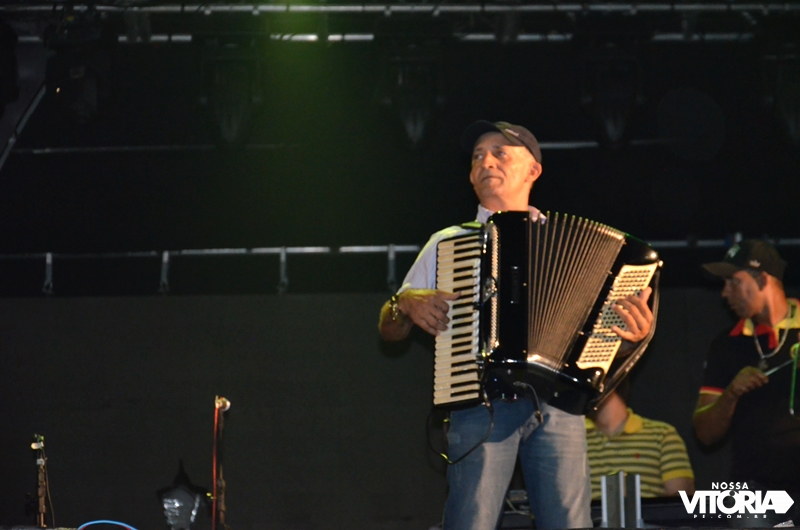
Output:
[[485, 213], [633, 424], [747, 327]]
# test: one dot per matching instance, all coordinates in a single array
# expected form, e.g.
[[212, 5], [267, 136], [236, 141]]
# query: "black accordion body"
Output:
[[535, 309]]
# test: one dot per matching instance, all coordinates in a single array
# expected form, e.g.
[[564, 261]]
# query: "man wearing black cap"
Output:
[[551, 444], [747, 385]]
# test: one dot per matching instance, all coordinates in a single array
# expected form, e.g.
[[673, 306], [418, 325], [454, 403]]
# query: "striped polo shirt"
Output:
[[650, 448]]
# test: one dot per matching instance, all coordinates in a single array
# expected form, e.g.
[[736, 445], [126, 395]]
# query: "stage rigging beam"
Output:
[[632, 8]]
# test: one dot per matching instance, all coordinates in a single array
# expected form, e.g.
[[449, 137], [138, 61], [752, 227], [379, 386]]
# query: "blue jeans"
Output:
[[552, 456]]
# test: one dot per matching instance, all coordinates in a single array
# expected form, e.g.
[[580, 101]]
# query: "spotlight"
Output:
[[182, 501], [782, 90], [77, 28], [612, 90], [507, 27], [137, 26], [232, 73], [77, 74], [414, 97], [77, 79], [411, 86]]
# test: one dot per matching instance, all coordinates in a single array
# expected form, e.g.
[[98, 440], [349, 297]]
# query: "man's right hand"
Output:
[[714, 412], [749, 378], [427, 308]]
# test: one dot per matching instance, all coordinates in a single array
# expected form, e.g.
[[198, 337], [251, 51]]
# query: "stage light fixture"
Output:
[[232, 73], [77, 80], [782, 92], [414, 97], [182, 501], [411, 84], [77, 73], [137, 26], [612, 90], [78, 28], [507, 27]]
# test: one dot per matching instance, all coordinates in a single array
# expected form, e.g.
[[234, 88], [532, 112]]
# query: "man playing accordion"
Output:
[[550, 443]]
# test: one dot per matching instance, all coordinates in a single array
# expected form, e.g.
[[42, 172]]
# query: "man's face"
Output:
[[743, 294], [502, 174]]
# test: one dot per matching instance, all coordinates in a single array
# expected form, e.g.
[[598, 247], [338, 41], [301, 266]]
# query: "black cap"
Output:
[[516, 135], [754, 254]]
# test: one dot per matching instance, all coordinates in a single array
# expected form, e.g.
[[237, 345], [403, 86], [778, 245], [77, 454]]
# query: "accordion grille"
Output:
[[570, 261]]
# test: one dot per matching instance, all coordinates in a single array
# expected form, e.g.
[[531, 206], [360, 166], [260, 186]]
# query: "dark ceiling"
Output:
[[226, 125]]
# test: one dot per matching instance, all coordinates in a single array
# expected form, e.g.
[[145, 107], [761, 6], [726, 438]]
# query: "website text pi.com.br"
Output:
[[734, 500]]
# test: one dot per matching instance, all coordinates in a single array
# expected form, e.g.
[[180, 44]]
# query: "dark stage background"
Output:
[[327, 424], [327, 427], [324, 160]]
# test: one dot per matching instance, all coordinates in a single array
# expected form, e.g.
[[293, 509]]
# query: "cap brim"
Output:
[[721, 269], [475, 131]]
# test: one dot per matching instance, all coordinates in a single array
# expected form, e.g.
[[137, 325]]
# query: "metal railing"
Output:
[[391, 251], [283, 254]]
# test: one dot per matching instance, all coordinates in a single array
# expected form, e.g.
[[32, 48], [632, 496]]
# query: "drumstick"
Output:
[[792, 355]]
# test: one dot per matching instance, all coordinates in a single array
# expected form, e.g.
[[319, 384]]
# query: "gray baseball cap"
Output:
[[516, 135]]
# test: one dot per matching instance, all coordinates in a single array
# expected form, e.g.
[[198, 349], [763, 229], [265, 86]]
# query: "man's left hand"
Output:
[[636, 314]]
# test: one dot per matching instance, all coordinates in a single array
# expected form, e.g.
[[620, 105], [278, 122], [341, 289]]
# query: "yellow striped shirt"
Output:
[[651, 448]]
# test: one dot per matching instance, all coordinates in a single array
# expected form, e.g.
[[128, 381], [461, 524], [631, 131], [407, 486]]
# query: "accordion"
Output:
[[535, 309]]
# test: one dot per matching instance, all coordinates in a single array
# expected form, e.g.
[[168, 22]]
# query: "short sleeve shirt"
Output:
[[650, 448], [765, 436], [422, 274]]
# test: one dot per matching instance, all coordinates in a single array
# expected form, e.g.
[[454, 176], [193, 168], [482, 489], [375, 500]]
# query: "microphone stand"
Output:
[[41, 490], [221, 405]]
